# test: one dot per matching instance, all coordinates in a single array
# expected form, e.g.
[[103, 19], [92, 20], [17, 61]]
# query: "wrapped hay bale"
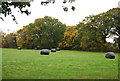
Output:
[[44, 52], [35, 48], [58, 49], [53, 50], [110, 55], [19, 48]]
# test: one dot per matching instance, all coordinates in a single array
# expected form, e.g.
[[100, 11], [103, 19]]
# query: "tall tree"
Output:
[[99, 27], [2, 35], [88, 38], [49, 32], [9, 40], [70, 36], [23, 38], [115, 31], [45, 32]]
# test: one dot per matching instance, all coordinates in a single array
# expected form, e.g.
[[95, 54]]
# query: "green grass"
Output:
[[29, 64]]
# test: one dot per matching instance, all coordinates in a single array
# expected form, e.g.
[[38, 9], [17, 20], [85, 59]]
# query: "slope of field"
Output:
[[64, 64]]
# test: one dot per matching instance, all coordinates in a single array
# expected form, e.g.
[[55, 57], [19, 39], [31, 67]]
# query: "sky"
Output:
[[83, 8]]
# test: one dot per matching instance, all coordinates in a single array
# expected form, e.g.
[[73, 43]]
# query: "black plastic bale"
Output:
[[35, 48], [58, 49], [53, 50], [44, 52], [19, 48], [110, 55]]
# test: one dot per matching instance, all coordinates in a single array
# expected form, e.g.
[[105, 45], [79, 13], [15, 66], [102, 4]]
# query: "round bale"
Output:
[[44, 52], [19, 48], [35, 48], [58, 49], [110, 55], [53, 50]]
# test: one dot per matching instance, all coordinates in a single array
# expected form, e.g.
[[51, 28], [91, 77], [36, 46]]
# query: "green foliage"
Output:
[[70, 37], [114, 13], [6, 10], [91, 33], [9, 40], [97, 28], [1, 38], [23, 38], [45, 32], [6, 7]]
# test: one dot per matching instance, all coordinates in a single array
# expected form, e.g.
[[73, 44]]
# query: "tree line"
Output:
[[88, 35]]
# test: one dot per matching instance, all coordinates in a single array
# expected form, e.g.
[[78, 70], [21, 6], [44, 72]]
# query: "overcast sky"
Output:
[[83, 8]]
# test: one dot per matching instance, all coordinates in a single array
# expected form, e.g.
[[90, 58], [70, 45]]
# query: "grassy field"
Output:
[[64, 64]]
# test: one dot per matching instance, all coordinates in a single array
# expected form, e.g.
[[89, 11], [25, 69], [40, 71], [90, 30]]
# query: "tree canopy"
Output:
[[45, 32], [92, 32]]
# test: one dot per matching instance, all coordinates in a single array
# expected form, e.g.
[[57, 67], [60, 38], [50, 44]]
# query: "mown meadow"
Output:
[[64, 64]]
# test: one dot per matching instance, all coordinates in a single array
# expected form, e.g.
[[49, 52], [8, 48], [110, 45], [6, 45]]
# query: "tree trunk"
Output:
[[119, 43], [104, 39]]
